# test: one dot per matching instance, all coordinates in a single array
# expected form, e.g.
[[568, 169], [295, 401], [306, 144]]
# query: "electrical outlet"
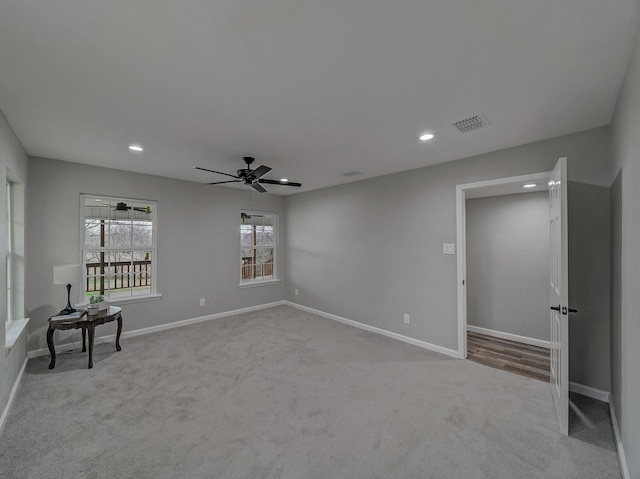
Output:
[[296, 291], [407, 319], [448, 248], [202, 302]]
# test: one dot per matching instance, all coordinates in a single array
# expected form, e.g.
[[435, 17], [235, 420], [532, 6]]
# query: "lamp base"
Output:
[[68, 309]]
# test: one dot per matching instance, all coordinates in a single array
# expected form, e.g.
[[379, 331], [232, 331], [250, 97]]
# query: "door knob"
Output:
[[566, 310], [556, 308]]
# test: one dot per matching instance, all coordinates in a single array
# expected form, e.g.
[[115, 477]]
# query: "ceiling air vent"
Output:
[[471, 123]]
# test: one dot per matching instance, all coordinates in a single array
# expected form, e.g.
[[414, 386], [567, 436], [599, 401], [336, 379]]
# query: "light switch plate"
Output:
[[448, 248]]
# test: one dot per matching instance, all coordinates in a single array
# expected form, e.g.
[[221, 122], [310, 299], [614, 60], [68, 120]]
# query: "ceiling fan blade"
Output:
[[214, 171], [258, 187], [260, 170], [221, 182], [278, 182]]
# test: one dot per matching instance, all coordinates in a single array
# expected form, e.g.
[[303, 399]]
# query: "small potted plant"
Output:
[[93, 306], [96, 304], [102, 303]]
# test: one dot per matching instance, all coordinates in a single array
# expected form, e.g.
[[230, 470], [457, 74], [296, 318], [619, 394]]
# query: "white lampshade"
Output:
[[67, 273]]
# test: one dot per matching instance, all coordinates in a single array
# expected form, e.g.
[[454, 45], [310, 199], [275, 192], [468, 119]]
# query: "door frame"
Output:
[[461, 241]]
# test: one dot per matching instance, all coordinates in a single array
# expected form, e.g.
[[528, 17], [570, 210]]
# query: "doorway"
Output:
[[482, 189], [508, 280]]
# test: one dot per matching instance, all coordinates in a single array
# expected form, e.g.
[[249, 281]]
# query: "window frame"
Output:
[[274, 279], [153, 293], [9, 253]]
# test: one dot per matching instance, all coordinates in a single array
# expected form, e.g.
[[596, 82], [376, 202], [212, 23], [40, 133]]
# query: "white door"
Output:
[[559, 293]]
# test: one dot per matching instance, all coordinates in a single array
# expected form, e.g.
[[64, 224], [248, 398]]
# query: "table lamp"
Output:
[[67, 274]]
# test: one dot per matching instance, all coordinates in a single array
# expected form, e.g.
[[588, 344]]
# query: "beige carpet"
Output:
[[280, 393]]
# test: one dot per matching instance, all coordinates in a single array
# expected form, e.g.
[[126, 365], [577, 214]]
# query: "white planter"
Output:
[[102, 305]]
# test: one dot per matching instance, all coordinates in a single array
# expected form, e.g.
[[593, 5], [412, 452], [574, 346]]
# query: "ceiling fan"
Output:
[[122, 206], [251, 177]]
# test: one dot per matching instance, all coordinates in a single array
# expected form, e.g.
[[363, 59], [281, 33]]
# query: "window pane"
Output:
[[247, 268], [142, 233], [142, 271], [96, 285], [93, 258], [92, 233], [264, 235], [119, 234], [264, 263], [246, 235]]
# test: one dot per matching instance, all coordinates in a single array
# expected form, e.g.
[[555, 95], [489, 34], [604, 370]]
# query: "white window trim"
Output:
[[259, 282], [275, 279], [153, 295], [8, 255], [13, 330], [13, 326]]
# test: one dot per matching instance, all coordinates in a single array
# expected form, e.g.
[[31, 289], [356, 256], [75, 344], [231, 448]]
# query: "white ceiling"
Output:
[[313, 89]]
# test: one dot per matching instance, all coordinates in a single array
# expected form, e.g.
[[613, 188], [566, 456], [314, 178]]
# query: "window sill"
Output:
[[13, 330], [259, 283], [132, 300]]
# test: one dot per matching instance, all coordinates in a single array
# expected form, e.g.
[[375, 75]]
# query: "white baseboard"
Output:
[[512, 337], [416, 342], [616, 430], [12, 396], [162, 327], [588, 391]]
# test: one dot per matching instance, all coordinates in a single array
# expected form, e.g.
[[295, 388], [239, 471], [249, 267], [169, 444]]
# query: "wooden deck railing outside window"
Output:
[[260, 270], [124, 274]]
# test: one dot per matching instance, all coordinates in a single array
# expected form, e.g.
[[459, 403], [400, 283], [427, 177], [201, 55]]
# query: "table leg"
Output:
[[52, 349], [118, 348], [92, 331], [84, 334]]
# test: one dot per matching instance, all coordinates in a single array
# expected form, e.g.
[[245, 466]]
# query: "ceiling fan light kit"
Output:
[[251, 177]]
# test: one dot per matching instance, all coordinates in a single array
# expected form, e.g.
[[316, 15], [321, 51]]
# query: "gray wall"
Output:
[[508, 264], [589, 285], [198, 243], [372, 250], [625, 214], [12, 158]]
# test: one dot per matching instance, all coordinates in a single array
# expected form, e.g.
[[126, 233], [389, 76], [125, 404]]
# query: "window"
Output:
[[119, 247], [13, 213], [258, 241], [9, 253]]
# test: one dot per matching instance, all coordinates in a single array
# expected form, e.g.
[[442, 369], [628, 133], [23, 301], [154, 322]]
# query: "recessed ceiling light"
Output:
[[426, 136], [284, 180], [529, 185], [136, 148]]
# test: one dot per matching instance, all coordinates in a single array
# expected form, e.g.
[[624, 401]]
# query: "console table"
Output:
[[86, 323]]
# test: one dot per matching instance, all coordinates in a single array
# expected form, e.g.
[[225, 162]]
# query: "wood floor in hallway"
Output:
[[519, 358]]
